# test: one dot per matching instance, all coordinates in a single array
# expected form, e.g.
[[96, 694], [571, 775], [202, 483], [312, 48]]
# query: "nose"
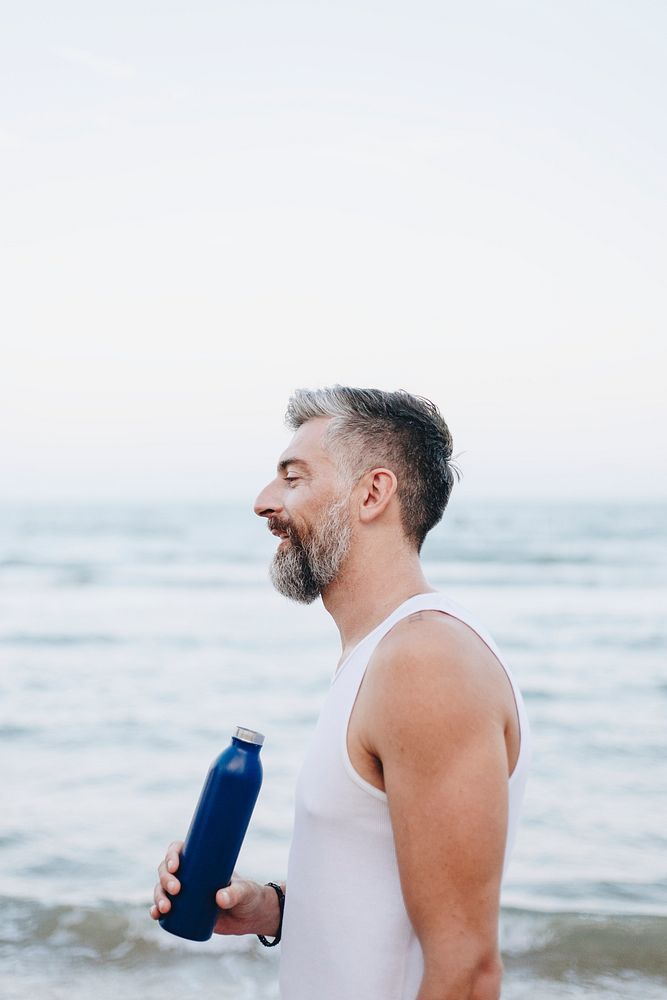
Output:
[[266, 504]]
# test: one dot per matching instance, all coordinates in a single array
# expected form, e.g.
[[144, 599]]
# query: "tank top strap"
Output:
[[431, 601]]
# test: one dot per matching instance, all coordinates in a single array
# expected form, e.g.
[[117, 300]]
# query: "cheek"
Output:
[[300, 520], [296, 504]]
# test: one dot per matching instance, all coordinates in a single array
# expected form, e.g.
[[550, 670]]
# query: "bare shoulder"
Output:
[[433, 667], [433, 648]]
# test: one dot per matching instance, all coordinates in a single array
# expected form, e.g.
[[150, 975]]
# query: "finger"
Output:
[[154, 912], [173, 855], [231, 895], [162, 903], [168, 881]]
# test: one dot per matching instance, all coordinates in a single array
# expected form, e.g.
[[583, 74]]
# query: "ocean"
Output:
[[134, 638]]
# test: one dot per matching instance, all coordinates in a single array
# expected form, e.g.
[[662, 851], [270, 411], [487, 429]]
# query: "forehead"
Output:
[[306, 445]]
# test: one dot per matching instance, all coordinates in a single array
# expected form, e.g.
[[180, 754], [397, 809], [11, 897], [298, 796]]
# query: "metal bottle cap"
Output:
[[248, 736]]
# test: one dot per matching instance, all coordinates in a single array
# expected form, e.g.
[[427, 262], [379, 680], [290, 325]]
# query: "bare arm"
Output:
[[437, 728]]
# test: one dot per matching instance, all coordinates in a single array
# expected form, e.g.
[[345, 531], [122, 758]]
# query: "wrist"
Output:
[[272, 913]]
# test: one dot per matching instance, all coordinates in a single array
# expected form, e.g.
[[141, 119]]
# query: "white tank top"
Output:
[[346, 932]]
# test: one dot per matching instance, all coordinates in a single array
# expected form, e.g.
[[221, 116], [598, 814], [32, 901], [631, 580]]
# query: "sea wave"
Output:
[[554, 945], [62, 639], [109, 932], [548, 945]]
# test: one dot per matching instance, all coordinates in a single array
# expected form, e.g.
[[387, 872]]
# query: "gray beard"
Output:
[[310, 563]]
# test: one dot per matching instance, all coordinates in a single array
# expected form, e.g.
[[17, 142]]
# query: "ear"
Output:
[[379, 486]]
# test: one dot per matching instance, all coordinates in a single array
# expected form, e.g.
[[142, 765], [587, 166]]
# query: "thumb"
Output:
[[230, 896]]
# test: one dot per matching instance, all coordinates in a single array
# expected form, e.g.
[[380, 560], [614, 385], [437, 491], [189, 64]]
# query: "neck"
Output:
[[370, 586]]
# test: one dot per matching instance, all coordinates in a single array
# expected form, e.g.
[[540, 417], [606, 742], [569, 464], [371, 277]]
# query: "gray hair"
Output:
[[372, 428]]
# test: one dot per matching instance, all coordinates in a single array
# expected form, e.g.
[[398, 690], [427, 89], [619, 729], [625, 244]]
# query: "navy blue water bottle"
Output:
[[215, 836]]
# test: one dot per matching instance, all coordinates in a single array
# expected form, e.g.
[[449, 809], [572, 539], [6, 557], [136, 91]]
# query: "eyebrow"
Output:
[[282, 466]]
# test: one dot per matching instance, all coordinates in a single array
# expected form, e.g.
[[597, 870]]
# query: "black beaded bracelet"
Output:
[[281, 903]]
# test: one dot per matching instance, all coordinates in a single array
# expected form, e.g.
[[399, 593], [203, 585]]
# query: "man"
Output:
[[408, 800]]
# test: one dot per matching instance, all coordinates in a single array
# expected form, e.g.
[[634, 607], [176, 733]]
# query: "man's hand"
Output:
[[245, 907]]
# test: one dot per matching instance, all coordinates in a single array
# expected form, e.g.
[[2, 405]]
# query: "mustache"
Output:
[[275, 524]]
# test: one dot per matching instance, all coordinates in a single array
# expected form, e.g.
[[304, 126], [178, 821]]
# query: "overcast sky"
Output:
[[206, 205]]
